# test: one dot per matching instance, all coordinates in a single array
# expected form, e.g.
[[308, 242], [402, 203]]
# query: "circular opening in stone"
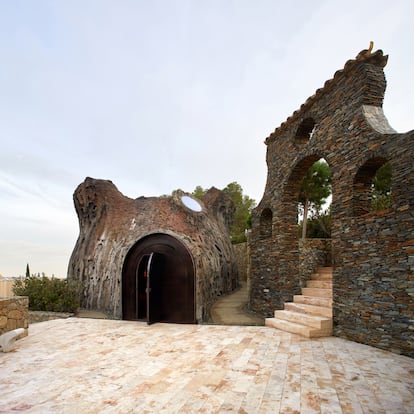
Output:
[[191, 203]]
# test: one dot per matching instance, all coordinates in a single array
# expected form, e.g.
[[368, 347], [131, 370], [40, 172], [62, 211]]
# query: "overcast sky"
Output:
[[160, 95]]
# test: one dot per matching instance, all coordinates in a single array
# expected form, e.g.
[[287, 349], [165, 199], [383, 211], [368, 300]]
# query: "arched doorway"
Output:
[[158, 281]]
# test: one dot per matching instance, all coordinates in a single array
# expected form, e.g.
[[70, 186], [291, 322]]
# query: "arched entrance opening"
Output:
[[372, 186], [304, 240], [158, 281]]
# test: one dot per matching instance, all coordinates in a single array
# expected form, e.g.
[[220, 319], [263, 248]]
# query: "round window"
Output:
[[191, 203]]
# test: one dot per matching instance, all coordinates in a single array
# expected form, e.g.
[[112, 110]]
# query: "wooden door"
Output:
[[155, 271]]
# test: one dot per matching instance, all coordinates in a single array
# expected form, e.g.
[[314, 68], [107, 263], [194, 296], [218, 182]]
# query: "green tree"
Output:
[[27, 270], [242, 216], [314, 191], [199, 192], [381, 188]]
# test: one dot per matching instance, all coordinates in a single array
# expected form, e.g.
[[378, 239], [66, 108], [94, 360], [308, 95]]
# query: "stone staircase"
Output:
[[310, 314]]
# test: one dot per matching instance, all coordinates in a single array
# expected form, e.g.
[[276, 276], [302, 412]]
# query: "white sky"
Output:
[[160, 95]]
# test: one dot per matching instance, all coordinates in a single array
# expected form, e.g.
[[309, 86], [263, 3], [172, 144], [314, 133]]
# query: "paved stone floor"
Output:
[[81, 365]]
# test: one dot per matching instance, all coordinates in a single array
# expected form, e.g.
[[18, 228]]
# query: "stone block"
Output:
[[8, 339], [11, 324], [15, 314]]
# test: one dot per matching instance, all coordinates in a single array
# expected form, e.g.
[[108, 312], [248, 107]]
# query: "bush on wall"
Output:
[[48, 294]]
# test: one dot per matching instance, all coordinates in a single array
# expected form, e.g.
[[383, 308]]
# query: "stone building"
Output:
[[154, 259], [372, 251]]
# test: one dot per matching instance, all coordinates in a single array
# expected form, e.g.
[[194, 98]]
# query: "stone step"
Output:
[[321, 293], [313, 300], [324, 284], [309, 309], [296, 328], [321, 276], [325, 269], [313, 321], [310, 314]]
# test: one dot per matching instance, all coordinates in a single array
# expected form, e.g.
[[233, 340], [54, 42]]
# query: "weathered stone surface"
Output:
[[14, 313], [111, 224], [240, 251], [373, 274]]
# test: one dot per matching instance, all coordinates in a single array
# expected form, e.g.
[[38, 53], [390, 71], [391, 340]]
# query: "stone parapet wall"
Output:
[[14, 313]]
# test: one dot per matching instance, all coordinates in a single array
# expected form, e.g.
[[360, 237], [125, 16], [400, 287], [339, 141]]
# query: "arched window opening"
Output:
[[266, 219], [372, 187], [314, 202], [305, 131]]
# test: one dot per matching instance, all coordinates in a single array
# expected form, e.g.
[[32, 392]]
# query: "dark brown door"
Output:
[[155, 270], [168, 268], [141, 288]]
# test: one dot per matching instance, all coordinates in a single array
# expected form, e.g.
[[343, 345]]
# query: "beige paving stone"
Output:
[[81, 365]]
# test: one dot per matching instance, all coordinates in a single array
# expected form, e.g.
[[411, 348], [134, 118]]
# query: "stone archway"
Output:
[[344, 123], [158, 281]]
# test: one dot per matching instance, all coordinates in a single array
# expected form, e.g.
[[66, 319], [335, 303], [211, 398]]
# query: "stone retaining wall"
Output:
[[14, 313], [40, 316]]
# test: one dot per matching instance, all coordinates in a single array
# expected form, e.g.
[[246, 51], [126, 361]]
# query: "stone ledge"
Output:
[[41, 316]]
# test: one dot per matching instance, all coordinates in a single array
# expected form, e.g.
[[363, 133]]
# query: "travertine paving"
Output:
[[103, 366]]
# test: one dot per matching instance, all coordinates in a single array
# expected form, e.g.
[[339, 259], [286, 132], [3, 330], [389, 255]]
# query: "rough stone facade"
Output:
[[14, 313], [240, 251], [112, 224], [373, 252]]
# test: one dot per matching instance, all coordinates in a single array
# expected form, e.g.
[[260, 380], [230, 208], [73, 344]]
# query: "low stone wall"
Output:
[[40, 316], [14, 313], [313, 253]]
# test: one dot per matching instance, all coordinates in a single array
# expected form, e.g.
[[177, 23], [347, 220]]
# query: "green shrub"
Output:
[[318, 227], [48, 294]]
